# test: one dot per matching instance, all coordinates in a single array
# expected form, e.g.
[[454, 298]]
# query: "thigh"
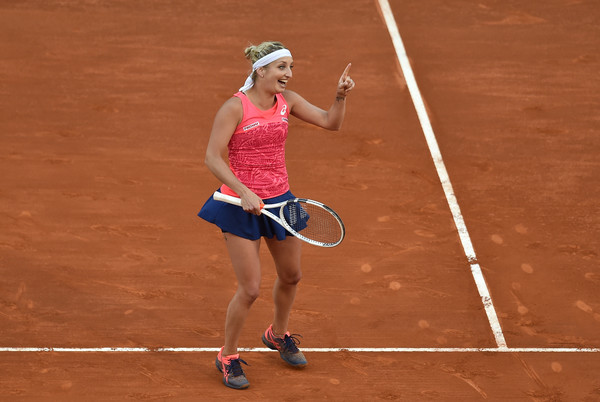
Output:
[[245, 259], [287, 255]]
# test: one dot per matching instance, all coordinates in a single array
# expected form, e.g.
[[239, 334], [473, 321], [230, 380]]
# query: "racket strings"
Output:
[[313, 222]]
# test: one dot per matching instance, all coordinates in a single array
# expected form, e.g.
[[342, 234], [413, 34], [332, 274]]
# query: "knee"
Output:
[[249, 293], [291, 278]]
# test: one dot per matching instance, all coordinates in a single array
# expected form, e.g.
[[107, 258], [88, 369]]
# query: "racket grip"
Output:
[[218, 196]]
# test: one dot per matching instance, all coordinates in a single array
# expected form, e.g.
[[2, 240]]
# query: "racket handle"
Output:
[[218, 196]]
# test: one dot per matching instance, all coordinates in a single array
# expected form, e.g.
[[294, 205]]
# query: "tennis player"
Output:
[[246, 152]]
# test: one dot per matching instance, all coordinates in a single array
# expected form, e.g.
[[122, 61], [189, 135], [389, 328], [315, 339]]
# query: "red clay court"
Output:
[[482, 285]]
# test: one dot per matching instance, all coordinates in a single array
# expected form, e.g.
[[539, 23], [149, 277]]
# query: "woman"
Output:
[[246, 152]]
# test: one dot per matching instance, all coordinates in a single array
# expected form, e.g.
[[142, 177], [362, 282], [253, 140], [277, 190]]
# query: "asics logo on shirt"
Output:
[[283, 109]]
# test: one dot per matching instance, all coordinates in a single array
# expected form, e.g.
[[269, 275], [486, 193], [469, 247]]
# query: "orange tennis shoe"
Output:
[[233, 374], [286, 346]]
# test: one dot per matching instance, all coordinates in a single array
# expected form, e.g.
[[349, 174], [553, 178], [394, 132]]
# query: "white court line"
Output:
[[442, 172], [308, 350]]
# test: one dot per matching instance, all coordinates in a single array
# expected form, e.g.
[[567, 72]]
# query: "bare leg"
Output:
[[245, 259], [286, 254]]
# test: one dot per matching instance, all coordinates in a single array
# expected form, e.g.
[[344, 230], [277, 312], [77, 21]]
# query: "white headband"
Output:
[[263, 61]]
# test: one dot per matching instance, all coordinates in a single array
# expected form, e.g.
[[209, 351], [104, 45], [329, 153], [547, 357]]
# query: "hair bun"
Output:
[[250, 52]]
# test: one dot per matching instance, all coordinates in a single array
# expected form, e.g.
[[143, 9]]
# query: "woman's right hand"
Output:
[[251, 203]]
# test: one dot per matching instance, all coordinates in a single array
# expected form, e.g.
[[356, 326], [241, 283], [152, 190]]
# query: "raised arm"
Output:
[[226, 120], [329, 119]]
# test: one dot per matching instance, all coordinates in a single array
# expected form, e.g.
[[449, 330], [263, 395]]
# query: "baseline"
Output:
[[315, 350]]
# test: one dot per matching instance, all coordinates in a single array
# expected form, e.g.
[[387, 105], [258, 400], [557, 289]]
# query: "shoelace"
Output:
[[235, 368], [290, 342]]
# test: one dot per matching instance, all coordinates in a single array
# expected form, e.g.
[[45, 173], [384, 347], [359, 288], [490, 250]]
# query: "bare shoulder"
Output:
[[291, 97], [231, 110], [227, 118]]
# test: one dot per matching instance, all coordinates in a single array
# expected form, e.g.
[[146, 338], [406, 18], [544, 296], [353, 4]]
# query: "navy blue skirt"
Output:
[[233, 219]]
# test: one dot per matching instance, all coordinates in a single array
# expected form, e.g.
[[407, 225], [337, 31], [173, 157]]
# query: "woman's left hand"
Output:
[[345, 84]]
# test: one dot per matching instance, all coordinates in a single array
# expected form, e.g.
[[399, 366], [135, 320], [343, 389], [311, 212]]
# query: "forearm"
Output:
[[336, 113]]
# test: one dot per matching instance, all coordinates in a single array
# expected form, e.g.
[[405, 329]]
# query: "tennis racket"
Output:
[[308, 220]]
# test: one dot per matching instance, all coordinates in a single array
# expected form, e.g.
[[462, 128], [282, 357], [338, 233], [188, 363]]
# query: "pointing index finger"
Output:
[[345, 74]]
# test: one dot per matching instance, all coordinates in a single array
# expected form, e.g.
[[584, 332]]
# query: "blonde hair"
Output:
[[255, 52]]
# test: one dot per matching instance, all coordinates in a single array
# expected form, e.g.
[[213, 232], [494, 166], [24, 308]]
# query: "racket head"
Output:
[[313, 222]]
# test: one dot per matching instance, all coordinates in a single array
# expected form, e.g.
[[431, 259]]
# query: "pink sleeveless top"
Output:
[[257, 149]]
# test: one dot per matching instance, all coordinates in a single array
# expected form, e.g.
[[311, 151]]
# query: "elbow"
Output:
[[209, 161], [331, 125], [335, 124], [336, 127]]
